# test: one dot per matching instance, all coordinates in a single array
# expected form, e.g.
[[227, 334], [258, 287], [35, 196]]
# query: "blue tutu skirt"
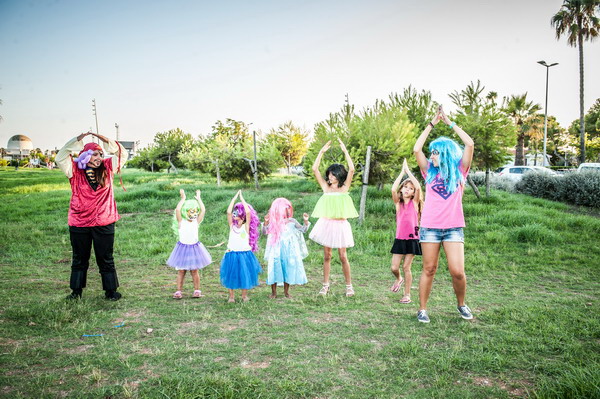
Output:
[[189, 257], [239, 270]]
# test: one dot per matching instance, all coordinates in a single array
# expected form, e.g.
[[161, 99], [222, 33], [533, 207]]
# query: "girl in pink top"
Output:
[[408, 199], [442, 221]]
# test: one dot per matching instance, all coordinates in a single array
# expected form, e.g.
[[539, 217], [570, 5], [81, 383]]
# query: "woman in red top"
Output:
[[92, 210]]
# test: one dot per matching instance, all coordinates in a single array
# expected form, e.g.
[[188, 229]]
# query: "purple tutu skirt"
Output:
[[189, 257]]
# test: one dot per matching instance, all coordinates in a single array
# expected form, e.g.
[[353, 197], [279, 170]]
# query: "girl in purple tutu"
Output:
[[239, 267], [189, 253]]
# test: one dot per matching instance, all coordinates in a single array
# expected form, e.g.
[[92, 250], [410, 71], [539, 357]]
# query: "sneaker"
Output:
[[422, 316], [112, 295], [465, 312]]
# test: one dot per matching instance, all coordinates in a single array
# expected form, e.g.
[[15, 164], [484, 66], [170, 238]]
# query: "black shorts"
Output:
[[404, 247]]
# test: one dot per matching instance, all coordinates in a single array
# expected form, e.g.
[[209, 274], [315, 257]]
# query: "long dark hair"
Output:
[[339, 171], [101, 174]]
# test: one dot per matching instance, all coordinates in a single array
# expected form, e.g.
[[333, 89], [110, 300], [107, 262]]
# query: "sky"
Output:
[[153, 66]]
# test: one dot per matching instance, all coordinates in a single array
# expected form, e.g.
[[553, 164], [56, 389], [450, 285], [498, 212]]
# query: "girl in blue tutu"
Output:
[[239, 267], [189, 253], [286, 247]]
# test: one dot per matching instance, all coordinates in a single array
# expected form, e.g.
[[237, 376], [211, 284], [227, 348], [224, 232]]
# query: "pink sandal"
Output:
[[197, 294], [405, 299], [177, 295], [396, 286]]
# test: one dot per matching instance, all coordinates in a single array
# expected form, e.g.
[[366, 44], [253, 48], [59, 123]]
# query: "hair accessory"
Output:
[[452, 125]]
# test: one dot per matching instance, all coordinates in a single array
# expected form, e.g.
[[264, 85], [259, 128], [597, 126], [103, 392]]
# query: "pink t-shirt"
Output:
[[443, 210], [407, 222]]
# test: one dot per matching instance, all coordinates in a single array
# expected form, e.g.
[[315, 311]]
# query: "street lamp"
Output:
[[543, 63]]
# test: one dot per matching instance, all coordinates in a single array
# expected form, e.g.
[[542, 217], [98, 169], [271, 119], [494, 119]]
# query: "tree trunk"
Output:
[[581, 119], [151, 166], [473, 186], [171, 163], [289, 163], [519, 150], [218, 173], [487, 182]]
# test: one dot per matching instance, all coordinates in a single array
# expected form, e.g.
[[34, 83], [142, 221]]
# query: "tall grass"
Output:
[[532, 268]]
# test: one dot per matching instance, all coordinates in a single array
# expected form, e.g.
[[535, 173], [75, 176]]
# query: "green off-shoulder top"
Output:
[[335, 206]]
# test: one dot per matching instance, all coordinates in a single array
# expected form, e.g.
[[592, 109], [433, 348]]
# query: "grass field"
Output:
[[533, 269]]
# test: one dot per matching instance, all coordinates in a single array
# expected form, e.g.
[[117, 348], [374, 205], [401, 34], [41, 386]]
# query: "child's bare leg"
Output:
[[408, 259], [273, 291], [396, 260], [180, 277], [286, 290], [231, 296], [195, 279], [245, 296], [345, 265], [326, 264]]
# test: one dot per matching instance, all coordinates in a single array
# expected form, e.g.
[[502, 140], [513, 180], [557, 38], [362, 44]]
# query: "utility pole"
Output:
[[95, 114], [117, 127]]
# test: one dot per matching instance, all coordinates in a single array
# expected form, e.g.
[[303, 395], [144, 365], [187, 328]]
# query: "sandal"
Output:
[[405, 299], [177, 295], [197, 294], [349, 290], [397, 284], [325, 289]]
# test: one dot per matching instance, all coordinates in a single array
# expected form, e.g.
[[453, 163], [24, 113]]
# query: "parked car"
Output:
[[589, 166], [515, 173]]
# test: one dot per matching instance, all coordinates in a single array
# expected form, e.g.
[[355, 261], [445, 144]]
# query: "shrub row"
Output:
[[578, 188]]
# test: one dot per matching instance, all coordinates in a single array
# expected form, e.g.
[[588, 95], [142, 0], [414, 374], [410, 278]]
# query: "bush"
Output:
[[577, 188], [3, 162]]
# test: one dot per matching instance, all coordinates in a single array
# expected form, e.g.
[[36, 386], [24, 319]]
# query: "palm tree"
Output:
[[577, 19], [522, 112]]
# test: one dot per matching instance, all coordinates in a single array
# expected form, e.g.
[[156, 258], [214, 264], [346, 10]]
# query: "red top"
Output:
[[89, 208]]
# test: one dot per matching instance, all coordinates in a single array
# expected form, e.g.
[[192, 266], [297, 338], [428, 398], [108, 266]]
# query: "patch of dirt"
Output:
[[519, 388], [258, 365], [219, 341], [79, 349]]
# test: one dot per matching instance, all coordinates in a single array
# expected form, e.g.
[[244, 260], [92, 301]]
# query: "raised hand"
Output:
[[266, 219], [198, 195], [444, 117], [305, 217], [82, 135], [326, 146], [182, 194], [342, 146]]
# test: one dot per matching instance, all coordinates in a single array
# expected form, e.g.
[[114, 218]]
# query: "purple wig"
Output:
[[239, 211]]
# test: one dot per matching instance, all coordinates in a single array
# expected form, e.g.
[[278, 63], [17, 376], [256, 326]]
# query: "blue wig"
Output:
[[449, 161]]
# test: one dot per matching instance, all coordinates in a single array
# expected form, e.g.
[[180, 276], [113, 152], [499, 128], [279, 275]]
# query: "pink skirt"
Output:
[[332, 233]]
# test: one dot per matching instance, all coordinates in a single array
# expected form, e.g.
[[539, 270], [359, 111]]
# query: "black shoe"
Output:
[[112, 295], [75, 294]]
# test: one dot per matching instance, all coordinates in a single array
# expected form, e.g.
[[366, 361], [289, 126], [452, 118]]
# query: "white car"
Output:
[[586, 166], [515, 173]]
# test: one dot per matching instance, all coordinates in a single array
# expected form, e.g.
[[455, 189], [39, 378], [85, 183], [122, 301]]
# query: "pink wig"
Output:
[[239, 210], [281, 209]]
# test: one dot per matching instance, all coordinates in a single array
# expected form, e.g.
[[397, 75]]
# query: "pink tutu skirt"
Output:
[[332, 233], [189, 257]]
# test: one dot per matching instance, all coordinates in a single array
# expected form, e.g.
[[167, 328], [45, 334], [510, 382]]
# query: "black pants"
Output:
[[102, 238]]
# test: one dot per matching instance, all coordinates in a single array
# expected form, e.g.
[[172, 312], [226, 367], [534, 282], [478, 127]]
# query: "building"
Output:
[[19, 146]]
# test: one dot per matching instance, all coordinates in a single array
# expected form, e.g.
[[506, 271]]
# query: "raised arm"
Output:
[[317, 163], [201, 205], [230, 208], [467, 157], [247, 212], [63, 157], [180, 205], [415, 183], [348, 181], [114, 148], [418, 148], [397, 182]]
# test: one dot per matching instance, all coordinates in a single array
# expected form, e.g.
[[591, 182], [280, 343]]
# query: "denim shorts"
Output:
[[455, 234]]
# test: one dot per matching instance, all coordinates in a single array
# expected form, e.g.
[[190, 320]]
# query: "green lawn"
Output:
[[533, 268]]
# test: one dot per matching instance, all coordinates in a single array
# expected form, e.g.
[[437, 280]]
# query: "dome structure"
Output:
[[19, 142]]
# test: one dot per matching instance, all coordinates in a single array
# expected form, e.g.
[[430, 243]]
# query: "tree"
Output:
[[491, 130], [523, 113], [149, 159], [170, 144], [420, 107], [290, 141], [578, 21]]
